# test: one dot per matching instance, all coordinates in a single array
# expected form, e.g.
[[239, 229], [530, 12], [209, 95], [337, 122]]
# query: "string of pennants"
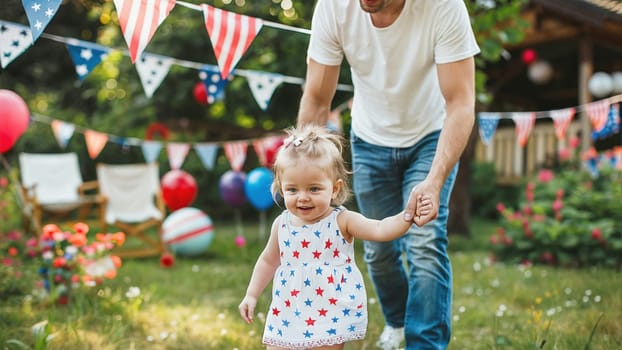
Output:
[[230, 33], [236, 151], [604, 117]]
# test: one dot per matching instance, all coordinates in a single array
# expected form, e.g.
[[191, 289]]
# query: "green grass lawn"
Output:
[[193, 305]]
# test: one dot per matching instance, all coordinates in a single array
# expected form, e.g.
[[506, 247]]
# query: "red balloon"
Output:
[[529, 56], [200, 93], [179, 189], [14, 115]]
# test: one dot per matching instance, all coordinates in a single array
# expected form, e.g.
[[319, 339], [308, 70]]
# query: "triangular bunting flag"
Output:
[[524, 124], [152, 69], [236, 154], [14, 40], [487, 122], [86, 56], [561, 119], [207, 153], [231, 34], [95, 142], [139, 20], [611, 127], [177, 153], [262, 86], [214, 83], [40, 13], [62, 132], [598, 112], [151, 150]]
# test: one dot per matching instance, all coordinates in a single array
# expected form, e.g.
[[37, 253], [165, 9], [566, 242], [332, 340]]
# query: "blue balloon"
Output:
[[257, 188], [231, 187]]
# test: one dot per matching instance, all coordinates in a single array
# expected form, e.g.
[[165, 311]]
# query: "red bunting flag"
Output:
[[139, 20], [561, 120], [524, 124], [236, 154], [231, 35], [598, 112]]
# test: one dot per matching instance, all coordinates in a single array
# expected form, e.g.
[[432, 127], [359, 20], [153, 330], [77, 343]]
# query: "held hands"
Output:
[[247, 308], [422, 206]]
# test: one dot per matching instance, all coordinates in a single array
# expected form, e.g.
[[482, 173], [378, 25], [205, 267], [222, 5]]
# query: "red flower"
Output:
[[59, 262], [597, 234], [13, 251], [167, 260], [81, 228], [4, 182], [500, 207], [545, 175]]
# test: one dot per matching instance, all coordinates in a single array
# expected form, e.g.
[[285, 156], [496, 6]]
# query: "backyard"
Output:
[[193, 303]]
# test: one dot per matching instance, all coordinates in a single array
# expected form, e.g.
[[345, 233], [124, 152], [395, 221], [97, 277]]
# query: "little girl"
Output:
[[318, 296]]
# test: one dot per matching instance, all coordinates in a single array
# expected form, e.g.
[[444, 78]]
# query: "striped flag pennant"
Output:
[[236, 154], [598, 112], [177, 153], [139, 19], [524, 124], [95, 142], [231, 34], [561, 119], [487, 122], [611, 127]]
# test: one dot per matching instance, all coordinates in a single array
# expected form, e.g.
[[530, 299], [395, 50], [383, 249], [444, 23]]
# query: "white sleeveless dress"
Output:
[[318, 292]]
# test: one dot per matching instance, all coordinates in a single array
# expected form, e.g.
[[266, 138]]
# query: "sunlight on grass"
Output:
[[193, 305]]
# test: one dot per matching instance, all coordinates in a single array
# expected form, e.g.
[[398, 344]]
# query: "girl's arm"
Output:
[[264, 270], [353, 224]]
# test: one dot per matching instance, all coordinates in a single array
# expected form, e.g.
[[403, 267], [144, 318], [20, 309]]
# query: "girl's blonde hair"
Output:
[[319, 146]]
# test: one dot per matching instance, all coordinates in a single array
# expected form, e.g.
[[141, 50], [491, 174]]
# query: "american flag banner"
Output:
[[236, 154], [561, 119], [14, 40], [231, 34], [40, 13], [152, 69], [524, 124], [487, 122], [598, 112], [611, 127], [139, 19]]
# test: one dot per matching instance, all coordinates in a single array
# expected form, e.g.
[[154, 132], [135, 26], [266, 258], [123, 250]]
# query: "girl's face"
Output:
[[307, 192]]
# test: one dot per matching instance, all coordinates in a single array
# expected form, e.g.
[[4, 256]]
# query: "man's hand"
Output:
[[423, 204]]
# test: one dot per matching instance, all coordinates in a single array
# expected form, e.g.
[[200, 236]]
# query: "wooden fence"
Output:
[[513, 162]]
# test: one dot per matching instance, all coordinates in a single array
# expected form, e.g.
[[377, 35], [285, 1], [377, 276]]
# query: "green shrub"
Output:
[[568, 217]]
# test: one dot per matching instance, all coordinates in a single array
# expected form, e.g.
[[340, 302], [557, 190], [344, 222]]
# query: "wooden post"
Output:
[[586, 69]]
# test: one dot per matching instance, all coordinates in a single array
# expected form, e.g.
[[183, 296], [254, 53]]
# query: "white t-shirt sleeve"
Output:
[[324, 45], [454, 35]]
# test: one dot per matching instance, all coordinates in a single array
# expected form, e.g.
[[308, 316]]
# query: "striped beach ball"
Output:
[[187, 231]]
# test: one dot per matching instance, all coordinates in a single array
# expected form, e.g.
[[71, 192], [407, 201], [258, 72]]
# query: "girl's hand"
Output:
[[247, 308]]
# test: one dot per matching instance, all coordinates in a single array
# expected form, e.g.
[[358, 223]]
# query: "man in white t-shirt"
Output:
[[413, 73]]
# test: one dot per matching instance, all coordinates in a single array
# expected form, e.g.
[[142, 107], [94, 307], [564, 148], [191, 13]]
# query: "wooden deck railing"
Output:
[[513, 162]]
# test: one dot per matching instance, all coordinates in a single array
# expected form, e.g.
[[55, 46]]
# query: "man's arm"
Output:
[[318, 92], [457, 83]]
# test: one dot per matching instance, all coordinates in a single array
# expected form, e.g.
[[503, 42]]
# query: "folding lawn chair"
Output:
[[135, 205]]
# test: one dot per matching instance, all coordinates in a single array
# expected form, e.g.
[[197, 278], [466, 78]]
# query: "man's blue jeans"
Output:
[[420, 300]]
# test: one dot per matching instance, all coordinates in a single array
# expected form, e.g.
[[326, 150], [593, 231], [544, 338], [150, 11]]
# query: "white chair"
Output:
[[52, 184], [134, 204]]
